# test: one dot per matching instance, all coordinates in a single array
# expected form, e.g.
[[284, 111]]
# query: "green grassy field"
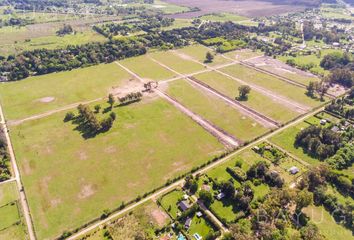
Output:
[[8, 193], [223, 17], [256, 101], [15, 232], [147, 69], [243, 54], [198, 52], [215, 110], [269, 82], [179, 23], [167, 8], [183, 66], [31, 96], [140, 152], [170, 202], [286, 139], [200, 226], [326, 224], [9, 215]]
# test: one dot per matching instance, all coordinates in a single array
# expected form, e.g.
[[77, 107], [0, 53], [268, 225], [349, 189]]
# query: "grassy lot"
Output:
[[167, 8], [179, 23], [260, 191], [215, 110], [198, 52], [256, 101], [269, 82], [9, 215], [170, 202], [326, 224], [243, 54], [341, 198], [139, 153], [223, 17], [286, 139], [200, 226], [224, 209], [184, 66], [148, 69], [15, 232], [13, 42], [8, 193], [27, 97]]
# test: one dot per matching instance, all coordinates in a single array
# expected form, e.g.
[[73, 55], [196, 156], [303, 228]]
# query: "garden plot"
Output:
[[215, 110], [145, 147], [147, 68], [177, 63], [277, 67], [278, 87], [269, 107], [36, 95], [198, 52]]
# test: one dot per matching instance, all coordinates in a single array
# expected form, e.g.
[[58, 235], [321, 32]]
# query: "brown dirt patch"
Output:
[[159, 216], [133, 85], [87, 191], [46, 99]]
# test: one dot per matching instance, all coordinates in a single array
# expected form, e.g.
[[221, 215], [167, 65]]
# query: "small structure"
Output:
[[323, 121], [206, 187], [293, 170], [256, 148], [184, 205], [188, 223], [199, 214], [336, 44], [335, 129], [197, 236], [185, 197], [220, 196]]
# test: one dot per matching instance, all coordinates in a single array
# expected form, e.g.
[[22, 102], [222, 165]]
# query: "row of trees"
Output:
[[343, 106], [4, 158]]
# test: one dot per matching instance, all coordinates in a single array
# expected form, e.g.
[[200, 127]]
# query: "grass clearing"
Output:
[[200, 226], [28, 97], [198, 52], [286, 139], [170, 202], [9, 215], [244, 54], [15, 232], [215, 110], [147, 69], [180, 65], [8, 193], [266, 81], [326, 223], [140, 152], [256, 101], [223, 17]]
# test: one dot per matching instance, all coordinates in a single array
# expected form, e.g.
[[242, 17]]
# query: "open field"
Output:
[[326, 224], [256, 100], [198, 52], [253, 8], [284, 70], [223, 17], [8, 193], [177, 63], [9, 215], [271, 83], [215, 110], [39, 94], [170, 202], [140, 152], [147, 69], [286, 140], [243, 54]]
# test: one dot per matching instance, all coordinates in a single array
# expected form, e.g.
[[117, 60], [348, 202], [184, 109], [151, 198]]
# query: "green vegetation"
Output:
[[271, 83], [256, 101], [9, 215], [243, 54], [143, 147], [36, 95], [170, 201], [224, 45], [215, 110], [177, 63], [199, 52], [8, 193], [222, 17], [148, 69], [200, 226]]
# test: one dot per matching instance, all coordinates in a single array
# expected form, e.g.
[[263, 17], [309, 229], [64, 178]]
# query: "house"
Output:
[[199, 214], [188, 223], [220, 196], [293, 170], [323, 121], [184, 205]]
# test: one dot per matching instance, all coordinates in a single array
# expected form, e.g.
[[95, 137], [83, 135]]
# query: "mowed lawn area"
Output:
[[256, 100], [215, 110], [286, 140], [145, 147], [39, 94], [9, 213], [198, 52], [147, 68], [274, 84], [326, 223], [178, 64]]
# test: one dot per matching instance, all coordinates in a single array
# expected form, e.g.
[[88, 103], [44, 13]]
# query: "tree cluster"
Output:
[[343, 106], [319, 142], [131, 97], [66, 29], [262, 172], [4, 158]]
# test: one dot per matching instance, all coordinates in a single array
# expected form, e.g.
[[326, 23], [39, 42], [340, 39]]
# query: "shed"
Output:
[[188, 223], [184, 205], [293, 170]]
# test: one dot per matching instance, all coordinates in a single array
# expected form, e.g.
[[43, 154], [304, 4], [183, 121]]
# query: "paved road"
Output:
[[23, 199]]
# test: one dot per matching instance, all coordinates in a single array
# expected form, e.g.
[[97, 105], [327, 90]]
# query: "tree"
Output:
[[97, 108], [303, 199], [310, 232], [244, 90], [111, 100], [206, 197], [311, 88], [209, 57], [113, 115], [69, 116], [228, 189]]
